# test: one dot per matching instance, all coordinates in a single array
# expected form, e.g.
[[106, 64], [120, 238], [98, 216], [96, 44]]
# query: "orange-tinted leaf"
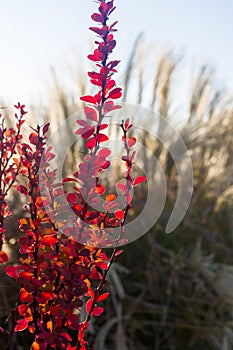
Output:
[[46, 296], [26, 275], [36, 346], [49, 326], [100, 189], [110, 197], [49, 239], [77, 207], [25, 297], [25, 311]]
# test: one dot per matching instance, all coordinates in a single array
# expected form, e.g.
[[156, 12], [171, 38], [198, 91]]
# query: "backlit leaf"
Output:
[[103, 297], [12, 271], [3, 257], [88, 98], [21, 325], [132, 141], [91, 113], [139, 180], [119, 214]]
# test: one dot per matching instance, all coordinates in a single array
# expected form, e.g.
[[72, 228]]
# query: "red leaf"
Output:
[[109, 106], [100, 189], [49, 239], [88, 133], [94, 58], [119, 214], [113, 25], [25, 297], [121, 187], [106, 165], [128, 198], [34, 139], [69, 179], [89, 305], [46, 296], [125, 158], [3, 257], [97, 17], [118, 253], [115, 93], [21, 325], [100, 31], [102, 265], [12, 271], [88, 98], [103, 126], [72, 198], [91, 114], [103, 8], [26, 275], [82, 123], [23, 310], [97, 56], [104, 152], [97, 311], [94, 75], [132, 141], [139, 180], [91, 143], [67, 336], [103, 297], [45, 128], [77, 207], [101, 138]]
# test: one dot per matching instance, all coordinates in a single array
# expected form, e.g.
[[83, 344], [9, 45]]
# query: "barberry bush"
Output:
[[62, 270]]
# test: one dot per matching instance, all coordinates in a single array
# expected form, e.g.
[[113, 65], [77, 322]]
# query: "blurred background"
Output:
[[168, 292]]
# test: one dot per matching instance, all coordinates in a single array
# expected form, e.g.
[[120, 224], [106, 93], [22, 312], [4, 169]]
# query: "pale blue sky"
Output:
[[36, 34]]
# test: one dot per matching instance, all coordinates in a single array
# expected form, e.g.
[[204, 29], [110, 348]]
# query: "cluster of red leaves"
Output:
[[94, 131], [55, 272]]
